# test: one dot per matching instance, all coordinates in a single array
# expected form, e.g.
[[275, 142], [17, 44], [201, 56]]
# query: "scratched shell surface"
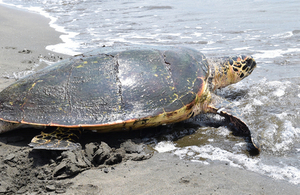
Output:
[[106, 86]]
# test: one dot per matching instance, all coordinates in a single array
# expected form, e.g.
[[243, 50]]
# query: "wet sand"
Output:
[[23, 38]]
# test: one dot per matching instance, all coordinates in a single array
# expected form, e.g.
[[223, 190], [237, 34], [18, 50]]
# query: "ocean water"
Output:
[[269, 30]]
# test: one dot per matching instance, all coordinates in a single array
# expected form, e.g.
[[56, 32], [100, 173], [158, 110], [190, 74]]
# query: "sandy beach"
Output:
[[23, 39], [129, 167]]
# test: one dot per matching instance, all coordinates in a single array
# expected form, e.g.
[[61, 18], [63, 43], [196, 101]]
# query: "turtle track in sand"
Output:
[[24, 170]]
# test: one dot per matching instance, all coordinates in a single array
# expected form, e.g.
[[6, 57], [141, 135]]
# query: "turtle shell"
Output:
[[109, 89]]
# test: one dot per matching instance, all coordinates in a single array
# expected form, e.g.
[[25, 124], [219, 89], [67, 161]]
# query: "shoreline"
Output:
[[23, 44], [23, 40]]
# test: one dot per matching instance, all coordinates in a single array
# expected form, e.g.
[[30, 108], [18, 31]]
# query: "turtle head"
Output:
[[229, 70]]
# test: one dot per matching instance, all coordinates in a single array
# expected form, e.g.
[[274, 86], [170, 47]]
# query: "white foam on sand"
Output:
[[206, 153], [68, 46], [165, 146], [278, 130]]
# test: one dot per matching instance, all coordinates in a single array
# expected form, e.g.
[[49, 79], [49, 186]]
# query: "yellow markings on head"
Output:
[[79, 66], [85, 62], [11, 103]]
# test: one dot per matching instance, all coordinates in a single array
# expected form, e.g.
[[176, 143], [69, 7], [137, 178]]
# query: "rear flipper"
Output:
[[226, 109], [59, 139]]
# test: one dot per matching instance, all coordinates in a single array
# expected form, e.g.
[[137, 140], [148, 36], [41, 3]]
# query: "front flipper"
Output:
[[59, 139], [226, 109]]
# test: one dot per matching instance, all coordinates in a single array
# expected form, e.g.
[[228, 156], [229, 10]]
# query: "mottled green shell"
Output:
[[106, 87]]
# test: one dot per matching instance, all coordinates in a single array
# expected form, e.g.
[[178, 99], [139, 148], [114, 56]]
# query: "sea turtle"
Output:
[[121, 89]]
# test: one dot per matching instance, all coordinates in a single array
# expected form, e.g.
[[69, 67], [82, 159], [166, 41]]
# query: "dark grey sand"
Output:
[[118, 167]]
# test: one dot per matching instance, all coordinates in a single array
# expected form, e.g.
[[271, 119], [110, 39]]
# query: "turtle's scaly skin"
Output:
[[233, 70]]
